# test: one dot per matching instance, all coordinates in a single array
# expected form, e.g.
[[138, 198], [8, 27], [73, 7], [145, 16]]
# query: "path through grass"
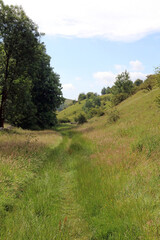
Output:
[[48, 208], [90, 191]]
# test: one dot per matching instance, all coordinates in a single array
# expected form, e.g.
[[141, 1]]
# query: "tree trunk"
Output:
[[2, 108], [4, 94], [1, 120]]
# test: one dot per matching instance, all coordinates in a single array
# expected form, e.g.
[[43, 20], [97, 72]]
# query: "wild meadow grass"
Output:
[[120, 192], [22, 154]]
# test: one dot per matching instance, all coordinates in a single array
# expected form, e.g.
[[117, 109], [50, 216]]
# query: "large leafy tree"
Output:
[[30, 90], [46, 91], [123, 84], [18, 40]]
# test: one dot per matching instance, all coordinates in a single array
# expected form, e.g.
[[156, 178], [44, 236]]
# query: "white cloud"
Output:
[[136, 65], [68, 87], [138, 75], [115, 20], [105, 78], [108, 78]]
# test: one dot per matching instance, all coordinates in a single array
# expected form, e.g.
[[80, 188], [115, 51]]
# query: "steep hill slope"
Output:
[[127, 164]]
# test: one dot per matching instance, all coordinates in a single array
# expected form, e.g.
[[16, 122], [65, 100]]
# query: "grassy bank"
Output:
[[127, 163], [22, 154], [48, 208]]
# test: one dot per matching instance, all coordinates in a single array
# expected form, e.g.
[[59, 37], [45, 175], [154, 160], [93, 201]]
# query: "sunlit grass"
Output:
[[101, 183], [22, 154], [119, 186]]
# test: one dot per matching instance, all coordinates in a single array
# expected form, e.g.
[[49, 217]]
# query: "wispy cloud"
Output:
[[115, 20]]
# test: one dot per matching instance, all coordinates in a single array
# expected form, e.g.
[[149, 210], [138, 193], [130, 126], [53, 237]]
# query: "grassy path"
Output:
[[48, 208], [76, 227], [77, 196]]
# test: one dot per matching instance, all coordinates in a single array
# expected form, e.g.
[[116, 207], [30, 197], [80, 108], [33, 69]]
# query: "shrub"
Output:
[[80, 119], [64, 120], [118, 98], [149, 83], [100, 112], [113, 115]]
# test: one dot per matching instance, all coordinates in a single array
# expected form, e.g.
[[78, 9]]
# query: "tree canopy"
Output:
[[30, 90], [123, 84]]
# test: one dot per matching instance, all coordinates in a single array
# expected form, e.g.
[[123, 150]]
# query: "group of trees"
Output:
[[30, 90], [122, 88], [92, 103]]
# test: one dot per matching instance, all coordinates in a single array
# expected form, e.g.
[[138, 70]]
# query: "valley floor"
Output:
[[101, 182]]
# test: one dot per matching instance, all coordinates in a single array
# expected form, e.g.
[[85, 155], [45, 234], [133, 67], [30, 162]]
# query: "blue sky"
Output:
[[90, 42]]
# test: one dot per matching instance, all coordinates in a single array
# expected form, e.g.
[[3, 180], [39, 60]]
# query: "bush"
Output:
[[149, 83], [100, 112], [118, 98], [64, 120], [80, 119], [113, 115]]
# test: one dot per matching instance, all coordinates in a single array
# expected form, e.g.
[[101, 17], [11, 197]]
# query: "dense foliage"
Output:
[[106, 90], [92, 104], [30, 90], [81, 96], [80, 119]]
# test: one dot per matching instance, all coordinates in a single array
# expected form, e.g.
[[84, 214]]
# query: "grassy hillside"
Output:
[[127, 164], [71, 112], [66, 104], [101, 182]]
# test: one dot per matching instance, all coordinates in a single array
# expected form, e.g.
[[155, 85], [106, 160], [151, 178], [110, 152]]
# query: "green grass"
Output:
[[101, 182], [48, 208], [72, 111], [22, 154]]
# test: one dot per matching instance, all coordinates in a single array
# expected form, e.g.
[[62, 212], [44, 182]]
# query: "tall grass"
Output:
[[101, 183], [22, 154]]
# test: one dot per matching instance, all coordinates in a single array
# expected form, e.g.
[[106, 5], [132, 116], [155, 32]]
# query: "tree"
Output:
[[18, 40], [81, 96], [138, 82], [20, 109], [46, 91], [106, 90], [123, 84], [81, 119], [90, 95], [103, 91], [30, 91]]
